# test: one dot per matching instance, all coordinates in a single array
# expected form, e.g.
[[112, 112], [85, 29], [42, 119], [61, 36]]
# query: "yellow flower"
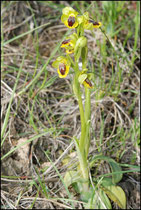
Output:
[[62, 65], [65, 43], [95, 24], [69, 43], [84, 79], [89, 24], [69, 17]]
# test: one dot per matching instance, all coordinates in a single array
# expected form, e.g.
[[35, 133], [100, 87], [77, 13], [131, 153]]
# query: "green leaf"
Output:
[[72, 177], [115, 167], [116, 194], [98, 200], [82, 160], [106, 182], [105, 199], [78, 187], [87, 196]]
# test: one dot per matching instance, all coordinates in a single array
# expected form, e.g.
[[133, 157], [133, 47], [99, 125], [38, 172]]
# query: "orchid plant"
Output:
[[95, 192]]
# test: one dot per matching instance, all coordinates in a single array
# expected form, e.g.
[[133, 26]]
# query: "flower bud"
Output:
[[81, 42]]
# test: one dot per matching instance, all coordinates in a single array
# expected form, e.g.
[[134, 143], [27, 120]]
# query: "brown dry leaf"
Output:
[[23, 154], [46, 164]]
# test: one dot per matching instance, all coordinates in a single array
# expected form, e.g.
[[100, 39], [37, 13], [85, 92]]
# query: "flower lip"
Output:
[[94, 22], [89, 23], [70, 51], [71, 21], [88, 82], [62, 68], [66, 41]]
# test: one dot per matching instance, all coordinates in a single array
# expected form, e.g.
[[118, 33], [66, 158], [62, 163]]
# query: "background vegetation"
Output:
[[39, 113]]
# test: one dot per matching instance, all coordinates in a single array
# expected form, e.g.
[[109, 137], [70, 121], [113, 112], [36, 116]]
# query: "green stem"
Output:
[[83, 165], [81, 143], [83, 125], [87, 118], [81, 109], [71, 61]]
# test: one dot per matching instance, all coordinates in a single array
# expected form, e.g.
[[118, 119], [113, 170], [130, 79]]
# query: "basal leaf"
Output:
[[106, 181], [98, 200], [71, 177], [115, 167], [105, 199], [116, 194]]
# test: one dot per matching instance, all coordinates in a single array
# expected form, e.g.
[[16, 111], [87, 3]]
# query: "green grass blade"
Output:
[[11, 99], [24, 34], [27, 141], [44, 67]]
